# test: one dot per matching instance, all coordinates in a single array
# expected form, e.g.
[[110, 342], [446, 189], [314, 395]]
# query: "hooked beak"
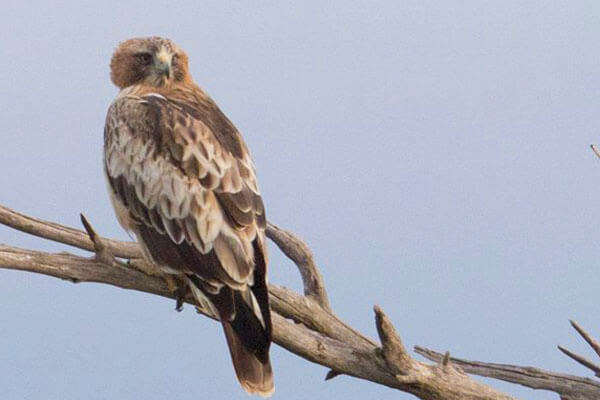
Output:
[[163, 65]]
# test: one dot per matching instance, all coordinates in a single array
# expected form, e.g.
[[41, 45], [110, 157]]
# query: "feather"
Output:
[[173, 229]]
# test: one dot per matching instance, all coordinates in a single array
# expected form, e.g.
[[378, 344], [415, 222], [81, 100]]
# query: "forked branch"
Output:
[[299, 252], [315, 334], [569, 387], [580, 359]]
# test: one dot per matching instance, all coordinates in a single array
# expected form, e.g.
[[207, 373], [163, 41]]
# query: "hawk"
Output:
[[182, 182]]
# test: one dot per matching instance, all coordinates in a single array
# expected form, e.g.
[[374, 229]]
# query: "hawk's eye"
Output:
[[144, 58], [175, 60]]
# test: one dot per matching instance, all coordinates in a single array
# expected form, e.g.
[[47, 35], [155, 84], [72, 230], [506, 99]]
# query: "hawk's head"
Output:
[[152, 61]]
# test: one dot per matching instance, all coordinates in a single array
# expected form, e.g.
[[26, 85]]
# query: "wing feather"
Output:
[[182, 181], [176, 176]]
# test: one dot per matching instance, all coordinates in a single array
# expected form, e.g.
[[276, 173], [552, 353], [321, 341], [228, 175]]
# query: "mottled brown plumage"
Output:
[[182, 181]]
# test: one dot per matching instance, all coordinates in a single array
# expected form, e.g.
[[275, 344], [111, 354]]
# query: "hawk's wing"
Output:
[[183, 182], [176, 176]]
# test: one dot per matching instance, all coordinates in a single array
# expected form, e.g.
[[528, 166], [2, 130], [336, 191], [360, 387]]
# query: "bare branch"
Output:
[[392, 349], [587, 337], [102, 252], [63, 234], [318, 335], [446, 359], [361, 362], [580, 359], [332, 374], [567, 386], [301, 310], [595, 149], [297, 251]]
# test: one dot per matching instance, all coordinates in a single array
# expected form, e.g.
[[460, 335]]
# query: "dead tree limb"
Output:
[[593, 344], [569, 387], [313, 333], [299, 252]]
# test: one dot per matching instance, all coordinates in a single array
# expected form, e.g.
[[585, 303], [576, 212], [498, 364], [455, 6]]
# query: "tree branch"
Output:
[[596, 150], [315, 334], [358, 358], [63, 234], [580, 359], [392, 349], [567, 386], [297, 251]]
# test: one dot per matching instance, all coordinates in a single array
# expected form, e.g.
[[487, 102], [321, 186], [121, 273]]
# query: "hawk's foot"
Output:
[[180, 289]]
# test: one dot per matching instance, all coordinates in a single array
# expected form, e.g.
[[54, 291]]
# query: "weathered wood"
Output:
[[313, 333], [593, 344], [359, 358], [299, 252], [567, 386], [62, 234]]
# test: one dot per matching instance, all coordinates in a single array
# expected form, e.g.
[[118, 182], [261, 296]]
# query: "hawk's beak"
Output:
[[163, 68], [163, 64]]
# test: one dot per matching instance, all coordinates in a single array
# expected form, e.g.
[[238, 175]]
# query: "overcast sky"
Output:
[[435, 156]]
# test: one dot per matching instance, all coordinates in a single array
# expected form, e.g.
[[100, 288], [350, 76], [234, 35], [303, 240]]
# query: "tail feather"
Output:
[[248, 335], [254, 375], [246, 320]]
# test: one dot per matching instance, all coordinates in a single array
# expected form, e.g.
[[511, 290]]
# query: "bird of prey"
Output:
[[182, 181]]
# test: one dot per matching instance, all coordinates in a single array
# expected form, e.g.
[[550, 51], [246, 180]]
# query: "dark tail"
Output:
[[253, 370], [246, 320], [249, 333], [247, 328]]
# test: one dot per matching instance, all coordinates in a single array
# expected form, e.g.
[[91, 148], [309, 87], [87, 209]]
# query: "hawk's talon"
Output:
[[179, 304], [181, 291]]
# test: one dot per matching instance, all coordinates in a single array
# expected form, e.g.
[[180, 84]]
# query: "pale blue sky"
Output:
[[433, 154]]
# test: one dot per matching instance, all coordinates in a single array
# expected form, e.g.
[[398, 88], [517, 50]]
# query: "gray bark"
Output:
[[304, 325]]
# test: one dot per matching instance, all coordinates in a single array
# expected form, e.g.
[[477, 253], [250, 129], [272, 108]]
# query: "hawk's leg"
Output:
[[181, 291]]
